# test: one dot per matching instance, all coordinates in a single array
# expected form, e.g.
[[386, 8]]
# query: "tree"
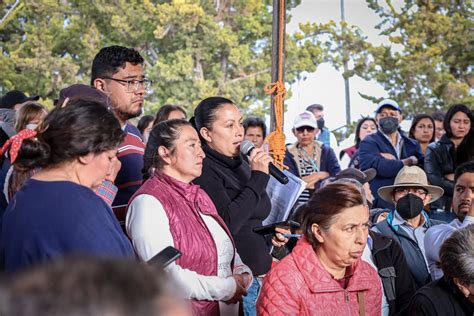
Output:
[[193, 49], [428, 63]]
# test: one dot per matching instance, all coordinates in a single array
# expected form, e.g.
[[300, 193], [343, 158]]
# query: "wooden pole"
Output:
[[346, 67], [277, 52]]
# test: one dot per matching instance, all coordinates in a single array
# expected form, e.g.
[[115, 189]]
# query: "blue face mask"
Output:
[[388, 125]]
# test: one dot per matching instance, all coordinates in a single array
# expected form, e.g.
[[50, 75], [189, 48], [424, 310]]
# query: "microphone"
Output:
[[246, 148]]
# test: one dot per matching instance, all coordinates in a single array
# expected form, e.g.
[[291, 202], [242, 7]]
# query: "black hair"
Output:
[[163, 134], [205, 113], [144, 122], [465, 151], [359, 126], [255, 122], [467, 167], [164, 112], [81, 127], [438, 115], [108, 60], [416, 120], [315, 107]]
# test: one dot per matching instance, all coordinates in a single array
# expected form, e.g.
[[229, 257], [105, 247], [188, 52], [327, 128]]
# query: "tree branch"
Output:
[[248, 76]]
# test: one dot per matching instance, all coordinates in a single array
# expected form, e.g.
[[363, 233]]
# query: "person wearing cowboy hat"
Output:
[[408, 223]]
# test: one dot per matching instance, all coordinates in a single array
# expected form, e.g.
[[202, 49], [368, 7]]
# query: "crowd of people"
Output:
[[383, 227]]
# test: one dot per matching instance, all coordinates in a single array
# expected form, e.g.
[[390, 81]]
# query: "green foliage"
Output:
[[427, 65], [193, 49]]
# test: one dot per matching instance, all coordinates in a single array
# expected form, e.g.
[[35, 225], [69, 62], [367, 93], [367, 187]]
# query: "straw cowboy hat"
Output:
[[410, 176]]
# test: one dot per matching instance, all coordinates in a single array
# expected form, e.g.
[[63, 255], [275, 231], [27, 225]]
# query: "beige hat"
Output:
[[410, 176]]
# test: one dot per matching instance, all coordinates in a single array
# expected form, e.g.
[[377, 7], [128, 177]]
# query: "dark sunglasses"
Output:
[[303, 128]]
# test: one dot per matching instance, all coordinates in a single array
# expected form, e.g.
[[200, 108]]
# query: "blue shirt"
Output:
[[434, 238], [50, 219], [416, 234]]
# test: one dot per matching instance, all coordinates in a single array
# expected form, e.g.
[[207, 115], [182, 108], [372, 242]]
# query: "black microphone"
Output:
[[246, 148]]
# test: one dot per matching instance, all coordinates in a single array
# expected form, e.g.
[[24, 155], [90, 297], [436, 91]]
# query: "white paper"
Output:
[[283, 197]]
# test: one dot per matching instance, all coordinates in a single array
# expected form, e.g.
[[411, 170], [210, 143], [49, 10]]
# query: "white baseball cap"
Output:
[[305, 118]]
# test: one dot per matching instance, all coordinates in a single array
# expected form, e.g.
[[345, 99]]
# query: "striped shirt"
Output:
[[129, 179], [307, 168]]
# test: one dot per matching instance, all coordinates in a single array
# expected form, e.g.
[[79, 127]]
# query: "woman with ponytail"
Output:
[[56, 212], [237, 188]]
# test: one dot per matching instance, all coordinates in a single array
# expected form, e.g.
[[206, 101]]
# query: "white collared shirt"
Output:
[[434, 238]]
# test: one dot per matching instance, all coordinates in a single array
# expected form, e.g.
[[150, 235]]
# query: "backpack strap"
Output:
[[361, 300]]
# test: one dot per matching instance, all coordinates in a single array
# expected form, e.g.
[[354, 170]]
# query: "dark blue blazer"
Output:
[[371, 148]]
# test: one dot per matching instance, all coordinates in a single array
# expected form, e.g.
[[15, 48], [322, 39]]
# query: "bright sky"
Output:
[[326, 85]]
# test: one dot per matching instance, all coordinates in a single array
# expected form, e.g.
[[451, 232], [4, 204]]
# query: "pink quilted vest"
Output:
[[182, 203]]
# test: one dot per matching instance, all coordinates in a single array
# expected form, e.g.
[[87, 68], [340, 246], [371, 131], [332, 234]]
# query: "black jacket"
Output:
[[397, 282], [440, 297], [439, 161], [241, 200]]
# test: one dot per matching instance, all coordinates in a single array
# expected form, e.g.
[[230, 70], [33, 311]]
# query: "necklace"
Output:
[[307, 158]]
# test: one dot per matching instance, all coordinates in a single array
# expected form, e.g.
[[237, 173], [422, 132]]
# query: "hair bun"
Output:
[[32, 154]]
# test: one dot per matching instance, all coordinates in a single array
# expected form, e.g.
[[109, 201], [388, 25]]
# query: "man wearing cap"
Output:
[[309, 159], [463, 207], [322, 132], [388, 150], [9, 104], [408, 223]]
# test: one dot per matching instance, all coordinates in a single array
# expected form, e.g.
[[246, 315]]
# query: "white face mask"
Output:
[[31, 126]]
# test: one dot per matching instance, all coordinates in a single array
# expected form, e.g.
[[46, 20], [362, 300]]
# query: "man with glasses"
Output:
[[118, 72], [463, 207], [408, 223], [388, 150], [308, 158]]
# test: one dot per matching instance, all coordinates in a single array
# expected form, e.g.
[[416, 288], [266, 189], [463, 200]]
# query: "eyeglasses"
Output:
[[133, 85], [301, 129], [405, 191]]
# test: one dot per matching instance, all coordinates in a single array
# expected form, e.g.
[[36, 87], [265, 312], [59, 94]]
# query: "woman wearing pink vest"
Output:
[[168, 210]]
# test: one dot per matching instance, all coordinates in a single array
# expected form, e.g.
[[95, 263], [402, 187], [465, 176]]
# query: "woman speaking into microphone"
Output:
[[236, 187]]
